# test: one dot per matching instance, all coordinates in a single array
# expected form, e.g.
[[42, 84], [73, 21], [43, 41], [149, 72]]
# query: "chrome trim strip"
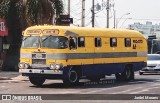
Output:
[[38, 71], [141, 54], [89, 55]]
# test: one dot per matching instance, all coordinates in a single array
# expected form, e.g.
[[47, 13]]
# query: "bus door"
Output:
[[98, 50]]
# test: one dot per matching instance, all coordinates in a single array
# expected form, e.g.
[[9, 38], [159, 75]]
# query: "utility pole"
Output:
[[114, 19], [93, 15], [69, 5], [83, 13], [107, 8]]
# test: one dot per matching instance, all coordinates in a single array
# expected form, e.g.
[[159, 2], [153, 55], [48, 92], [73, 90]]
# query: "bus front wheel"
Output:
[[37, 81], [72, 78]]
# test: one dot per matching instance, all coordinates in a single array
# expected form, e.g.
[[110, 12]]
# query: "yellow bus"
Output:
[[72, 53]]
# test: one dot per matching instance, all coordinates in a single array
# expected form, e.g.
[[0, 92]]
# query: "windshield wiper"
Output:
[[46, 38], [25, 38]]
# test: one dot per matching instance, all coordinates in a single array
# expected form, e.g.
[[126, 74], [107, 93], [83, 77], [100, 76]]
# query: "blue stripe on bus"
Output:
[[94, 70]]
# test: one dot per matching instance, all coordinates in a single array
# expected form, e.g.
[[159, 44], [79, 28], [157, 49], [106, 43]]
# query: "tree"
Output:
[[20, 14]]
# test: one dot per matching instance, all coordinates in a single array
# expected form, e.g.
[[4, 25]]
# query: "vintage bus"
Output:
[[72, 53]]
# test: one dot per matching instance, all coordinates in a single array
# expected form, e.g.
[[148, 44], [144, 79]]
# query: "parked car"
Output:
[[153, 64]]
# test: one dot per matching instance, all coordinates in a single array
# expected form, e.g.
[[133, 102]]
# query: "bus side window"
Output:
[[113, 42], [127, 42], [81, 42], [98, 42], [73, 43]]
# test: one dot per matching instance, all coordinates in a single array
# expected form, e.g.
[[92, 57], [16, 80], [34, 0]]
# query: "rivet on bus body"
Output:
[[30, 71], [42, 71]]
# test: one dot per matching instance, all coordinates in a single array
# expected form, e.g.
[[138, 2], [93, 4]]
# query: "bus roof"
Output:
[[88, 31]]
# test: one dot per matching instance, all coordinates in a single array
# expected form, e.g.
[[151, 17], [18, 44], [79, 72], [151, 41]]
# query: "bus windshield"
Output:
[[30, 42], [56, 42]]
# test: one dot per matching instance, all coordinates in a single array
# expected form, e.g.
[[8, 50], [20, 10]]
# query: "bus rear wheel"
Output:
[[128, 74], [37, 81], [72, 78], [119, 77]]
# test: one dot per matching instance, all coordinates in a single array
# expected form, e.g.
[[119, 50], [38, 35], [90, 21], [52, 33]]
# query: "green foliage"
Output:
[[19, 14], [31, 12], [4, 8]]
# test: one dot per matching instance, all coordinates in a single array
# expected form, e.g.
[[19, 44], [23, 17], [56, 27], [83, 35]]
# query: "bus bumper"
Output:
[[47, 74], [39, 71]]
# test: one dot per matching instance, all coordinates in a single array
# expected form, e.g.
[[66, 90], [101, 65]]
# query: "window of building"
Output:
[[98, 42], [81, 42], [127, 42], [113, 42]]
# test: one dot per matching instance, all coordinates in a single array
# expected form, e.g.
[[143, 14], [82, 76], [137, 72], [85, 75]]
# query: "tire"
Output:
[[119, 77], [72, 78], [128, 74], [37, 81]]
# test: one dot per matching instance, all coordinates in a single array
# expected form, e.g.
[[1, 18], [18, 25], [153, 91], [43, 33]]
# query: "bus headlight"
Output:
[[55, 66], [23, 65], [26, 66], [52, 66]]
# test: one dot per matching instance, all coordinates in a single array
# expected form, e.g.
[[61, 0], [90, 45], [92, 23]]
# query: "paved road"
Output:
[[143, 84]]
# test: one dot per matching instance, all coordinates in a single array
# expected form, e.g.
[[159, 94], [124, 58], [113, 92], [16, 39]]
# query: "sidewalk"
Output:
[[10, 75]]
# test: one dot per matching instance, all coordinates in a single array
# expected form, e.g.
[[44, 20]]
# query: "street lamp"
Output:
[[124, 22], [121, 18]]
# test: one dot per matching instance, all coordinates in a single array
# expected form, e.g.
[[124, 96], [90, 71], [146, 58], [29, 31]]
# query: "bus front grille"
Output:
[[38, 58], [38, 61]]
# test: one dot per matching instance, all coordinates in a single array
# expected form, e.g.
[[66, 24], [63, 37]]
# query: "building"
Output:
[[146, 29]]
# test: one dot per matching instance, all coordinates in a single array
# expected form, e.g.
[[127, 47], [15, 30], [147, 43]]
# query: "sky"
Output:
[[138, 11]]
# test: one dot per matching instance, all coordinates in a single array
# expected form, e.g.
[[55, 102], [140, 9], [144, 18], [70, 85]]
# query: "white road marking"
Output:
[[144, 90], [102, 90], [126, 91]]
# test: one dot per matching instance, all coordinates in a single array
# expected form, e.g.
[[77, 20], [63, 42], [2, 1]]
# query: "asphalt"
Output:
[[10, 75]]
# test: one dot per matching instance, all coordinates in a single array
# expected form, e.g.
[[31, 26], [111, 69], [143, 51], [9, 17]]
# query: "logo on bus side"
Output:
[[137, 41]]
